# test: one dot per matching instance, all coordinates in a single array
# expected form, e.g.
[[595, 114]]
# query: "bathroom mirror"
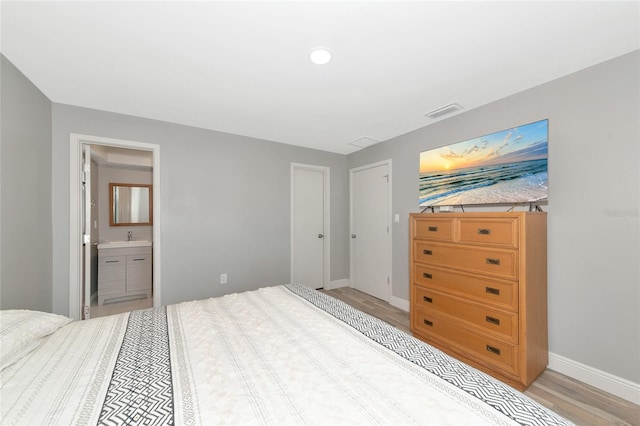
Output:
[[130, 204]]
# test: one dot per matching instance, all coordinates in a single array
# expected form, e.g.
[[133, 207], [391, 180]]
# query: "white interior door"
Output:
[[309, 225], [370, 191], [86, 231]]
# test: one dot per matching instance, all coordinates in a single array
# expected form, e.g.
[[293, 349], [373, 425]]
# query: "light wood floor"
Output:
[[574, 400]]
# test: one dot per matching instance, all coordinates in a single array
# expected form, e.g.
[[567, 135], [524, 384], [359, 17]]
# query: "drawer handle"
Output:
[[111, 261], [493, 320], [491, 261], [141, 258], [429, 323], [427, 299], [484, 231], [427, 252], [493, 350], [427, 275], [492, 290], [433, 229]]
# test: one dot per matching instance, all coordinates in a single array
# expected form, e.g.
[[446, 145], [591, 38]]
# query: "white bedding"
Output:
[[263, 357]]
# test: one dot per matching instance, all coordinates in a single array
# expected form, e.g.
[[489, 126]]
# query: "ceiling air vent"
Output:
[[443, 110], [364, 141]]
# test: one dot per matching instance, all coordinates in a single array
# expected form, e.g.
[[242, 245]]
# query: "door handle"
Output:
[[353, 235], [320, 236]]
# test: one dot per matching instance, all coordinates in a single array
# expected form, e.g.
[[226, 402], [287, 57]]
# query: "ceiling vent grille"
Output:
[[364, 141], [443, 110]]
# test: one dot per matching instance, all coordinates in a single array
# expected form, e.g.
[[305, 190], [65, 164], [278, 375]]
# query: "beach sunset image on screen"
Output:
[[505, 167]]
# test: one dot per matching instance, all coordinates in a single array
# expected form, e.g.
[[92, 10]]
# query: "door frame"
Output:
[[326, 218], [389, 223], [85, 223], [75, 214]]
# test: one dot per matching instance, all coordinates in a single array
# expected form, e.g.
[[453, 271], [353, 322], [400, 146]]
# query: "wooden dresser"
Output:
[[479, 289]]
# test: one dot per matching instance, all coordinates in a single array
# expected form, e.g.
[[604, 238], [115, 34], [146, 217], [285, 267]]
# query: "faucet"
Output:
[[129, 236]]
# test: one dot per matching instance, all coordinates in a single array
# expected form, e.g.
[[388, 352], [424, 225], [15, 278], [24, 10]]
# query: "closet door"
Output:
[[309, 229], [370, 229]]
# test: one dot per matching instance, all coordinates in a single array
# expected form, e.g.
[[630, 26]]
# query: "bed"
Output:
[[279, 355]]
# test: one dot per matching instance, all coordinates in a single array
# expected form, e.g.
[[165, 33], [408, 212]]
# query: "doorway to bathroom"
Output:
[[114, 226]]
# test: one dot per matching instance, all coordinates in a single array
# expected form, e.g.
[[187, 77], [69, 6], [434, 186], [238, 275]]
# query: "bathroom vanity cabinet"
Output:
[[124, 272]]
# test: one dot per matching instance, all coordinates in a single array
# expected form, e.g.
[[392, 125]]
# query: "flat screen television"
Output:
[[505, 167]]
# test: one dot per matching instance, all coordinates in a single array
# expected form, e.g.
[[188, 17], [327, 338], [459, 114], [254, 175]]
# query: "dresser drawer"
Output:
[[495, 262], [439, 229], [497, 232], [473, 345], [503, 325], [498, 293]]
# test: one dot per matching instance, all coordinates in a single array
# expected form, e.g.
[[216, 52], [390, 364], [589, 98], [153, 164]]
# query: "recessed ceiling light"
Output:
[[320, 56]]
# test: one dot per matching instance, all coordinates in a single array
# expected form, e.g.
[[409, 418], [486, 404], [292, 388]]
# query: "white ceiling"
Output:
[[243, 68]]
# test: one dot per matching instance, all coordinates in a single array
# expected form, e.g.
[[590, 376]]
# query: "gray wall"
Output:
[[593, 210], [25, 178], [224, 201]]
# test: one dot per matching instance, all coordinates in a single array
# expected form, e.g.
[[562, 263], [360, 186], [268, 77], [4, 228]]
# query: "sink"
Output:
[[124, 244]]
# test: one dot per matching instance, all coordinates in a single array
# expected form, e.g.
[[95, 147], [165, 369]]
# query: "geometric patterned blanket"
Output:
[[140, 391]]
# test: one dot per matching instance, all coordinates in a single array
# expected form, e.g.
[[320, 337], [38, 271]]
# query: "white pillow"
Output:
[[22, 331]]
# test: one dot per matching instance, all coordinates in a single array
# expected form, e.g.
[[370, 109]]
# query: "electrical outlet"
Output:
[[223, 278]]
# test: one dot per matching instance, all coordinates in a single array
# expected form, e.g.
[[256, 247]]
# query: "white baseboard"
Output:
[[399, 303], [345, 282], [615, 385]]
